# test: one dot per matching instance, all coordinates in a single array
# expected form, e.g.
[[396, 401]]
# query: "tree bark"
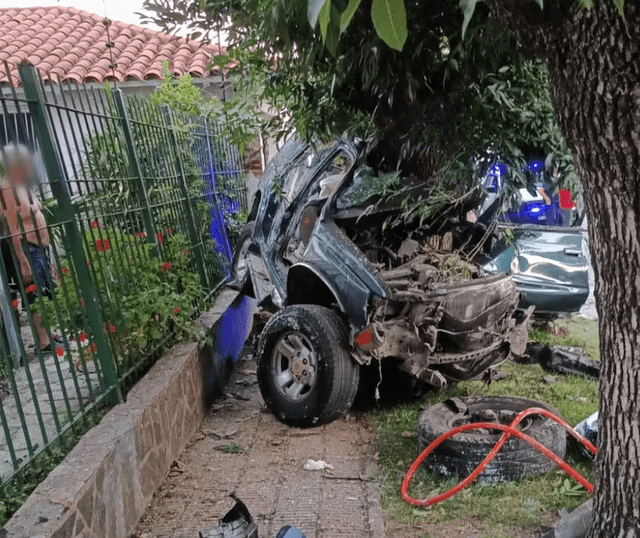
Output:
[[594, 64]]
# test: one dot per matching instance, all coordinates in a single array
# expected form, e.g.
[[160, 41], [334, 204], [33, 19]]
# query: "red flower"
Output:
[[131, 262], [185, 252], [168, 231], [94, 347], [81, 301], [102, 244], [95, 224], [87, 350], [88, 263], [65, 270], [31, 289], [176, 310], [83, 337], [160, 237], [60, 352], [14, 303], [166, 266], [112, 328]]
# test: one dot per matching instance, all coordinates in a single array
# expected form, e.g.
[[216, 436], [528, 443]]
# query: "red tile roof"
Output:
[[66, 43]]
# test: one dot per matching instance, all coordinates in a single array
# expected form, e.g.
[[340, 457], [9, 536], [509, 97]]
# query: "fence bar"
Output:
[[139, 202], [196, 241], [43, 128], [136, 169]]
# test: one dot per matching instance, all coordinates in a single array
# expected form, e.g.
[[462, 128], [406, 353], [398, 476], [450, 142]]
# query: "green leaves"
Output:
[[390, 21], [324, 16], [348, 14], [620, 6], [332, 34], [588, 4], [329, 19], [313, 10], [467, 7]]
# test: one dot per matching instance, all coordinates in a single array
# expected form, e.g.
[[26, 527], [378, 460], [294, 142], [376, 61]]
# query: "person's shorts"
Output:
[[39, 260]]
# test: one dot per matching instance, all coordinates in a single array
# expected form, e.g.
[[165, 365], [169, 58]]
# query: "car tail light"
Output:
[[367, 339]]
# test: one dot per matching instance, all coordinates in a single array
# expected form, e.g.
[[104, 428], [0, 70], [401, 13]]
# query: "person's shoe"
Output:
[[47, 350]]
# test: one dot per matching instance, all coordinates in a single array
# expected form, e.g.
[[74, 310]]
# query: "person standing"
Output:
[[26, 229]]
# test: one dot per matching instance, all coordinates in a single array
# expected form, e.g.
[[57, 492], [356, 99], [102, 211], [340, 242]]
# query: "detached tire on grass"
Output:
[[460, 455], [305, 373]]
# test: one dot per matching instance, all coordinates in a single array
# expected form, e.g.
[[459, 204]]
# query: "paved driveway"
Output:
[[241, 447]]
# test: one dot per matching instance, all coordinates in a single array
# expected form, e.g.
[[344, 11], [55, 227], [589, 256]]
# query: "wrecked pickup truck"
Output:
[[348, 289]]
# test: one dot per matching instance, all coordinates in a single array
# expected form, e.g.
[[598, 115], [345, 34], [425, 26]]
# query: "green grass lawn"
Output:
[[502, 508]]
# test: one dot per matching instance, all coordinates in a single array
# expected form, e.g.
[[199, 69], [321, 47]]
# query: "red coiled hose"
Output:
[[508, 432]]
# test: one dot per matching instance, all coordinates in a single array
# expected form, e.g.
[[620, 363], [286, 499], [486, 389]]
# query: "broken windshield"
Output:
[[366, 187]]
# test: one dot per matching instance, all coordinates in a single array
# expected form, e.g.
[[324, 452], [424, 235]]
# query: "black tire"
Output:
[[460, 455], [329, 388], [242, 283]]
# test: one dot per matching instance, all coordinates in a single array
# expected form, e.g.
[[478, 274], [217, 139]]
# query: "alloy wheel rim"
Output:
[[294, 366]]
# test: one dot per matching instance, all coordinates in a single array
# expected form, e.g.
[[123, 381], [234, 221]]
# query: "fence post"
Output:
[[34, 95], [196, 239], [136, 169]]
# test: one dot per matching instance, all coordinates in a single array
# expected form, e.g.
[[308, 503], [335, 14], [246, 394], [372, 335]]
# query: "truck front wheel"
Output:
[[305, 373]]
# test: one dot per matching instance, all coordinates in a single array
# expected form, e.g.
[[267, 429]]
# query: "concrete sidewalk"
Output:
[[241, 447], [56, 375]]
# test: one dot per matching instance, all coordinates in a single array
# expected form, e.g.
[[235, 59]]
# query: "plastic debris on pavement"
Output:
[[238, 523], [313, 465]]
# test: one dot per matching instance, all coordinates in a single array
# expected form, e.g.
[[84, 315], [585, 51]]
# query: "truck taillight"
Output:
[[367, 339]]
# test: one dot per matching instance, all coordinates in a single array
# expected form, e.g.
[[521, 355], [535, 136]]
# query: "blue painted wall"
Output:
[[228, 335]]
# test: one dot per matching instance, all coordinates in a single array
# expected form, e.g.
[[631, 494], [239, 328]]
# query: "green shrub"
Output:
[[144, 299]]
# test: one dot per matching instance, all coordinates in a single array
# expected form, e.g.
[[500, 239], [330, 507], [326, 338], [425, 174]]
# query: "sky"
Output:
[[117, 10]]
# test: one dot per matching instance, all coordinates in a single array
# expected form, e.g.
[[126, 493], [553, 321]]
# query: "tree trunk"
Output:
[[594, 63]]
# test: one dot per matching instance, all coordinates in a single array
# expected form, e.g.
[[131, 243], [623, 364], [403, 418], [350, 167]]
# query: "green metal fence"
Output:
[[136, 201]]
